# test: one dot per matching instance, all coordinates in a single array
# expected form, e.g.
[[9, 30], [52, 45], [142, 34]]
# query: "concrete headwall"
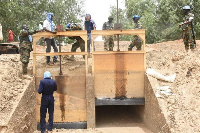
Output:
[[23, 119], [154, 117]]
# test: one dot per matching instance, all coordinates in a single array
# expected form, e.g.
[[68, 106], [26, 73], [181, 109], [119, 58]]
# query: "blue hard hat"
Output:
[[186, 8], [68, 25], [136, 16], [47, 75]]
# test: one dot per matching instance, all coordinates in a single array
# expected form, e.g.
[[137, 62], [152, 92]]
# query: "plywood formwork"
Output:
[[119, 74], [70, 98]]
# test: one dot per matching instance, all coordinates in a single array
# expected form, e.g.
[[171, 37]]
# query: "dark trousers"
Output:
[[51, 42], [46, 104]]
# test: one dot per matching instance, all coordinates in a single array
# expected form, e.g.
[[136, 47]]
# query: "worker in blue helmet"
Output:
[[137, 41], [47, 87], [188, 34]]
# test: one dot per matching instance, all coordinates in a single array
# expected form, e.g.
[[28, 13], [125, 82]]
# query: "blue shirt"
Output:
[[89, 25], [47, 87]]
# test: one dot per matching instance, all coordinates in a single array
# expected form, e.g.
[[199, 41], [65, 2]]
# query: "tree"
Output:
[[30, 12]]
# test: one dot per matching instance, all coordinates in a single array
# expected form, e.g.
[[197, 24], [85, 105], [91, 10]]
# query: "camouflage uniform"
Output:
[[137, 41], [187, 32], [108, 40], [80, 43], [25, 49]]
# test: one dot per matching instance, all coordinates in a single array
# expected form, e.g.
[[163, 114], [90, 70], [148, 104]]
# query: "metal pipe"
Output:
[[60, 58], [118, 23]]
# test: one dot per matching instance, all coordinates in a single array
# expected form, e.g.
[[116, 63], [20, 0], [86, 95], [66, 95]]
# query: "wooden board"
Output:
[[70, 99], [119, 75]]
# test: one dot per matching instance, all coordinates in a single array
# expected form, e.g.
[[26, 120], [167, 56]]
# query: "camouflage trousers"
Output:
[[188, 39], [108, 43], [77, 45], [24, 58], [136, 42]]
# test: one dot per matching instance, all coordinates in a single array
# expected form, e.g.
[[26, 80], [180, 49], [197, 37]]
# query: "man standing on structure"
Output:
[[47, 87], [79, 43], [137, 41], [25, 47], [89, 26], [108, 40], [49, 25], [188, 29]]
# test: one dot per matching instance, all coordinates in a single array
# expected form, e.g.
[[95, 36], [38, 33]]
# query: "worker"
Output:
[[137, 41], [10, 35], [89, 26], [47, 87], [108, 40], [49, 26], [25, 47], [79, 43], [187, 29]]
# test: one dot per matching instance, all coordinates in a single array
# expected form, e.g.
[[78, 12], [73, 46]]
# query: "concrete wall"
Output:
[[154, 117], [23, 119]]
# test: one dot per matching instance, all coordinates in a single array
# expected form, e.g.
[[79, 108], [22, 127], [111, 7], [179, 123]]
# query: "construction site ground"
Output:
[[180, 109]]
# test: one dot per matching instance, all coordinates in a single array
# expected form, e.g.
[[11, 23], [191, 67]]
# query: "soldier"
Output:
[[25, 49], [80, 43], [187, 29], [108, 40], [137, 41]]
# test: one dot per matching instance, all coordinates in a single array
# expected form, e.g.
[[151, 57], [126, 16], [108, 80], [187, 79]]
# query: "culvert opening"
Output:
[[119, 116]]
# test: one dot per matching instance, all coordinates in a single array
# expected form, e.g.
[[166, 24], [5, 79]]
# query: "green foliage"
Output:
[[160, 18], [14, 13]]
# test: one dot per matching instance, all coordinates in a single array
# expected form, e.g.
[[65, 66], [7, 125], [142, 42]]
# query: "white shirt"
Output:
[[47, 25], [40, 27]]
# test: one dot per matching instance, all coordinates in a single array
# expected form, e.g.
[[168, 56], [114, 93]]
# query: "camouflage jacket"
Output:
[[77, 38], [138, 25], [108, 26], [188, 17], [24, 40]]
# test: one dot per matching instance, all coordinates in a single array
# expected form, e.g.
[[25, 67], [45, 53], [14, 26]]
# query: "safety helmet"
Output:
[[186, 8], [88, 15], [68, 25], [136, 16], [25, 27], [110, 17]]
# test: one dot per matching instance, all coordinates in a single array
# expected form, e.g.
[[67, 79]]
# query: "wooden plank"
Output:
[[90, 96], [70, 99], [120, 32], [131, 101], [72, 33], [61, 53], [119, 75], [118, 52]]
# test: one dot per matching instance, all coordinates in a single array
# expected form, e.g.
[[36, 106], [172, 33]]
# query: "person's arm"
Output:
[[55, 87], [40, 88]]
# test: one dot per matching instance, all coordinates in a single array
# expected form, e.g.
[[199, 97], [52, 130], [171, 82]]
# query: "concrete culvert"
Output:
[[121, 116]]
